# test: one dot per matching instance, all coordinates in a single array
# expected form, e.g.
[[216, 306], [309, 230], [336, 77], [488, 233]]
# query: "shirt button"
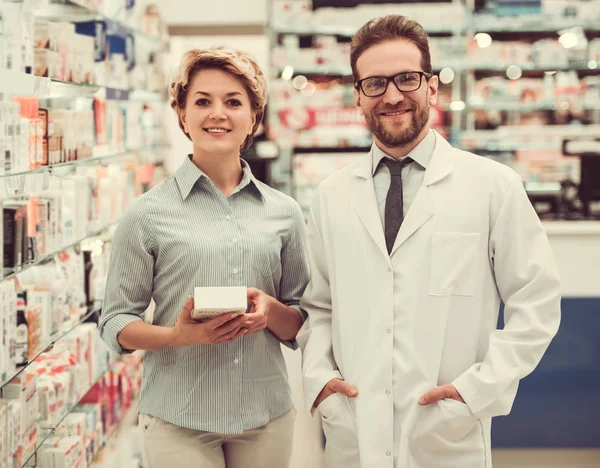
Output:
[[234, 241], [227, 217], [235, 271], [236, 361], [389, 331]]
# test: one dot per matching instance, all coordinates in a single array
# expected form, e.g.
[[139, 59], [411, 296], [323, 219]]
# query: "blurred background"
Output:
[[85, 127]]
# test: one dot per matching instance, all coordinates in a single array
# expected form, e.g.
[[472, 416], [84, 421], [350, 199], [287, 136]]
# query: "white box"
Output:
[[210, 302]]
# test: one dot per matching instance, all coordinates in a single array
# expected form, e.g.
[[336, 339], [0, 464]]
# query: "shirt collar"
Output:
[[421, 154], [188, 175]]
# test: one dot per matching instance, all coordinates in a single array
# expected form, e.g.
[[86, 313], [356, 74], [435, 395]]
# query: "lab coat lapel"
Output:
[[365, 203], [421, 209]]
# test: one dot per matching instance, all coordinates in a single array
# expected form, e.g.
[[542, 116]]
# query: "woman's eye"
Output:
[[235, 102], [202, 102]]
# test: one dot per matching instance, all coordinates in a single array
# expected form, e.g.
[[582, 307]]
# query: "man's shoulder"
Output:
[[342, 176], [476, 166]]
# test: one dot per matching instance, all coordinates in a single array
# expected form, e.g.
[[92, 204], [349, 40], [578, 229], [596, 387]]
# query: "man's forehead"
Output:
[[389, 58]]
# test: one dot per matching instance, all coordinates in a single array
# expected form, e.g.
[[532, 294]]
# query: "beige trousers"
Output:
[[170, 446]]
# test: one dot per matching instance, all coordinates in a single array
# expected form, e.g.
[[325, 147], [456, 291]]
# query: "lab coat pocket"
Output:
[[447, 436], [454, 258], [339, 426]]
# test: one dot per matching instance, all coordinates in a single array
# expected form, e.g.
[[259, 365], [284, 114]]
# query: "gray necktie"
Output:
[[394, 211]]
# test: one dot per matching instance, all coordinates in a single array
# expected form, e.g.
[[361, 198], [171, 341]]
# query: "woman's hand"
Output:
[[187, 331], [258, 317]]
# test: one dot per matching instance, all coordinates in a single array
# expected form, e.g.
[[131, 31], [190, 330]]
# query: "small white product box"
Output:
[[209, 302]]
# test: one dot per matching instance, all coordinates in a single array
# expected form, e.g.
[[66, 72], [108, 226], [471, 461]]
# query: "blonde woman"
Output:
[[214, 394]]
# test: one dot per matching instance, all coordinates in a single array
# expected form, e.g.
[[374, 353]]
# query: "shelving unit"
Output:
[[462, 112], [120, 153]]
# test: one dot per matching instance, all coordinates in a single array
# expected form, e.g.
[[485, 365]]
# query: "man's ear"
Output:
[[357, 101], [433, 90]]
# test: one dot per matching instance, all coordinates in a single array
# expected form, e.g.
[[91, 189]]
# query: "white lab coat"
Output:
[[469, 240]]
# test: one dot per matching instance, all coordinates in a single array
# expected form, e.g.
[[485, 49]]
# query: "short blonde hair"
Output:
[[238, 63]]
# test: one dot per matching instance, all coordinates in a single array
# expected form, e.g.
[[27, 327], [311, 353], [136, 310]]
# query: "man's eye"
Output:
[[408, 78], [374, 84]]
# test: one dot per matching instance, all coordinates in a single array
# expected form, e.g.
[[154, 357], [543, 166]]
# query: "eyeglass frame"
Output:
[[358, 83]]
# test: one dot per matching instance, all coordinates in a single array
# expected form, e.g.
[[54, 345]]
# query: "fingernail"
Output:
[[422, 401], [353, 392]]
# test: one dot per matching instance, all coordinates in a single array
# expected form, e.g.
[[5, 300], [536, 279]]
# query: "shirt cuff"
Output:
[[111, 329], [292, 344]]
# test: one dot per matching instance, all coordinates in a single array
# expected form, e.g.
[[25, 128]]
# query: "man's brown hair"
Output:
[[390, 28]]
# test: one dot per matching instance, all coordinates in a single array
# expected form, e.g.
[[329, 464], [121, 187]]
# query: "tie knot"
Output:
[[395, 165]]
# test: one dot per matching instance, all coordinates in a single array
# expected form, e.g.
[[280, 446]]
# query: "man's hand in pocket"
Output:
[[335, 386]]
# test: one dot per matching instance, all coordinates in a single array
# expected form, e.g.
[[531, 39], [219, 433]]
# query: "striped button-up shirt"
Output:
[[182, 234]]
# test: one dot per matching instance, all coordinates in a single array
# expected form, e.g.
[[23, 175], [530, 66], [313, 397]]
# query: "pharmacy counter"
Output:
[[559, 404]]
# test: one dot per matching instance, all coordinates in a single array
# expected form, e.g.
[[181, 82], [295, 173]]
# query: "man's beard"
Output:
[[418, 121]]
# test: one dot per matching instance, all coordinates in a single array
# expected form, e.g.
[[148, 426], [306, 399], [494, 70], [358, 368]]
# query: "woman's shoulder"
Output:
[[278, 198], [161, 195]]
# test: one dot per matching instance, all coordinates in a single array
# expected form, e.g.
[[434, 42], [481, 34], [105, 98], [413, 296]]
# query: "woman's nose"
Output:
[[217, 112]]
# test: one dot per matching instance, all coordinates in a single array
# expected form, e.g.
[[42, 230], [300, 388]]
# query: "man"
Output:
[[412, 251]]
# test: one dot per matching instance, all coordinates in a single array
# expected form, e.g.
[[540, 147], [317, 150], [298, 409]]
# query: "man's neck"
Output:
[[399, 152]]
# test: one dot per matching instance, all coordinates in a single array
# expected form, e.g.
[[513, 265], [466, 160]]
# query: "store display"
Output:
[[81, 135], [516, 79]]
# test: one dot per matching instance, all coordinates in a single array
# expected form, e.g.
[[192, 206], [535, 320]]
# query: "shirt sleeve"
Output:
[[130, 276], [294, 267]]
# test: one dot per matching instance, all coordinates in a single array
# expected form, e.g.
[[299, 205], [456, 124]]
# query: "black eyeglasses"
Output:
[[405, 82]]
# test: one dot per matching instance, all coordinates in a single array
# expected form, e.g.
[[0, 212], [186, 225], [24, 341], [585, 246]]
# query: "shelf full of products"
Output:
[[515, 82]]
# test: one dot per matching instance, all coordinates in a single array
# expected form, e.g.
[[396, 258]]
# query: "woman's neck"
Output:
[[224, 170]]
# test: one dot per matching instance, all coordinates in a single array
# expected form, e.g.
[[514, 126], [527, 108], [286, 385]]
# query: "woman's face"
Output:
[[218, 115]]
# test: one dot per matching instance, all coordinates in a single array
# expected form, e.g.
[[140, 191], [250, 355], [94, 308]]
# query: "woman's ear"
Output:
[[182, 117], [252, 122]]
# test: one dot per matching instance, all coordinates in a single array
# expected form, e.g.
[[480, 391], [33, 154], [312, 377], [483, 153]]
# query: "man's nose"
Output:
[[392, 96]]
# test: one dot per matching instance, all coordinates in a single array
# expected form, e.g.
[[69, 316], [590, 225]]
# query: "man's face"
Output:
[[395, 118]]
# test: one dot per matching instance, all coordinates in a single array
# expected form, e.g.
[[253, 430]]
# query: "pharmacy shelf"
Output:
[[533, 68], [530, 23], [23, 84], [128, 421], [346, 71], [49, 256], [349, 31], [529, 131], [521, 107], [90, 313], [47, 432], [74, 13], [81, 162]]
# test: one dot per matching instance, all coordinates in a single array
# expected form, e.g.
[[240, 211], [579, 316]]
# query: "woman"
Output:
[[214, 394]]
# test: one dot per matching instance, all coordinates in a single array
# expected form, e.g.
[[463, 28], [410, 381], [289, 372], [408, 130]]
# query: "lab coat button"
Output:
[[389, 331], [387, 392], [390, 270], [389, 454]]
